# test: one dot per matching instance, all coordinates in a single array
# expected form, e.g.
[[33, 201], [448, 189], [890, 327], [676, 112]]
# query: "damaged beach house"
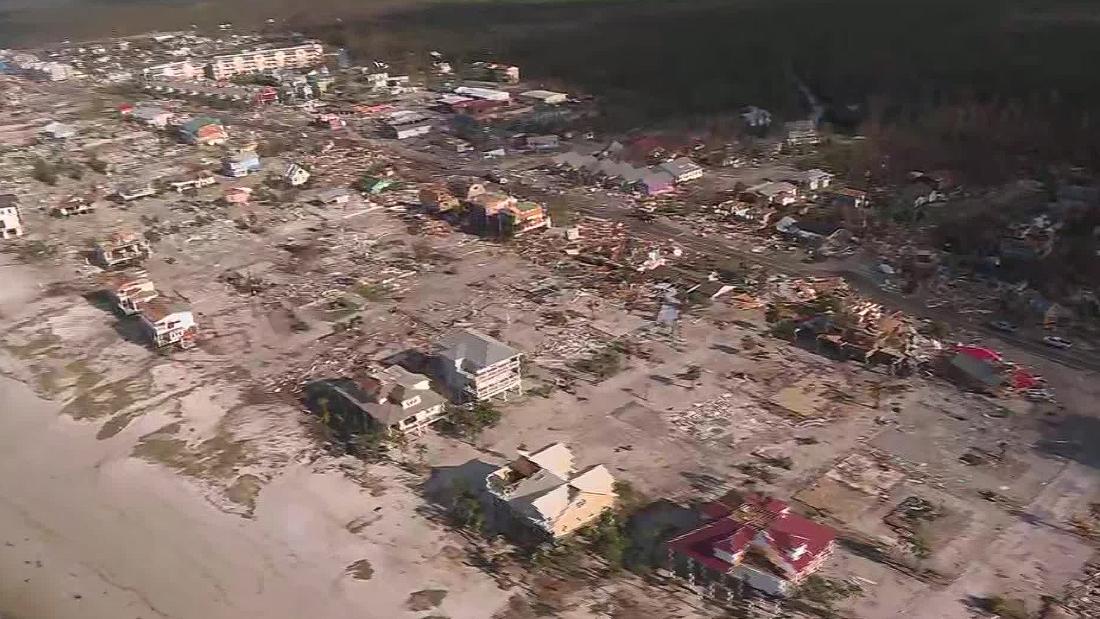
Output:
[[541, 490], [121, 249], [477, 367], [168, 322], [129, 289], [241, 164], [757, 542], [392, 400]]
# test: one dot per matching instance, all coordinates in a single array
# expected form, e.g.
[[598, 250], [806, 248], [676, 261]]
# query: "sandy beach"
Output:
[[88, 530]]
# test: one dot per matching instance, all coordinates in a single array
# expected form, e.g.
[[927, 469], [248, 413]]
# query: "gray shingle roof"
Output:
[[476, 348]]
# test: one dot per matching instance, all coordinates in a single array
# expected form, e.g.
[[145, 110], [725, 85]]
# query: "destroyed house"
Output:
[[199, 180], [541, 490], [129, 290], [167, 322], [759, 543], [522, 217], [486, 212], [151, 116], [336, 195], [241, 164], [393, 401], [120, 249], [128, 193], [437, 198], [478, 367], [75, 205], [465, 189], [490, 203]]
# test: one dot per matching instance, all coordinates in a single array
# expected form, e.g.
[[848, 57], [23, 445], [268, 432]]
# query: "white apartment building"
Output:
[[182, 70], [257, 61]]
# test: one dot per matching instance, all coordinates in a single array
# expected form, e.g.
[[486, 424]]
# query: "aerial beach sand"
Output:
[[88, 530]]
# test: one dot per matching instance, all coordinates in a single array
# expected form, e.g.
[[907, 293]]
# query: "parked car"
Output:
[[1057, 342], [1003, 326]]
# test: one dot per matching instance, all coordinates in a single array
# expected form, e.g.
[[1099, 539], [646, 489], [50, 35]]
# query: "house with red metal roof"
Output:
[[759, 543]]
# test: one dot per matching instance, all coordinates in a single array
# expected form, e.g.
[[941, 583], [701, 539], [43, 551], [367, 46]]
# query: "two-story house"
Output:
[[757, 542], [400, 401], [168, 323], [541, 489], [121, 249], [129, 290], [394, 401], [478, 367]]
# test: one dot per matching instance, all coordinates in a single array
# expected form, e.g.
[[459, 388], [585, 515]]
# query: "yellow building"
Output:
[[542, 490]]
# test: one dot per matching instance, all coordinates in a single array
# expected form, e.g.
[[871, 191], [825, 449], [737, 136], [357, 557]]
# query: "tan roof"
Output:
[[541, 484], [596, 479], [556, 458]]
